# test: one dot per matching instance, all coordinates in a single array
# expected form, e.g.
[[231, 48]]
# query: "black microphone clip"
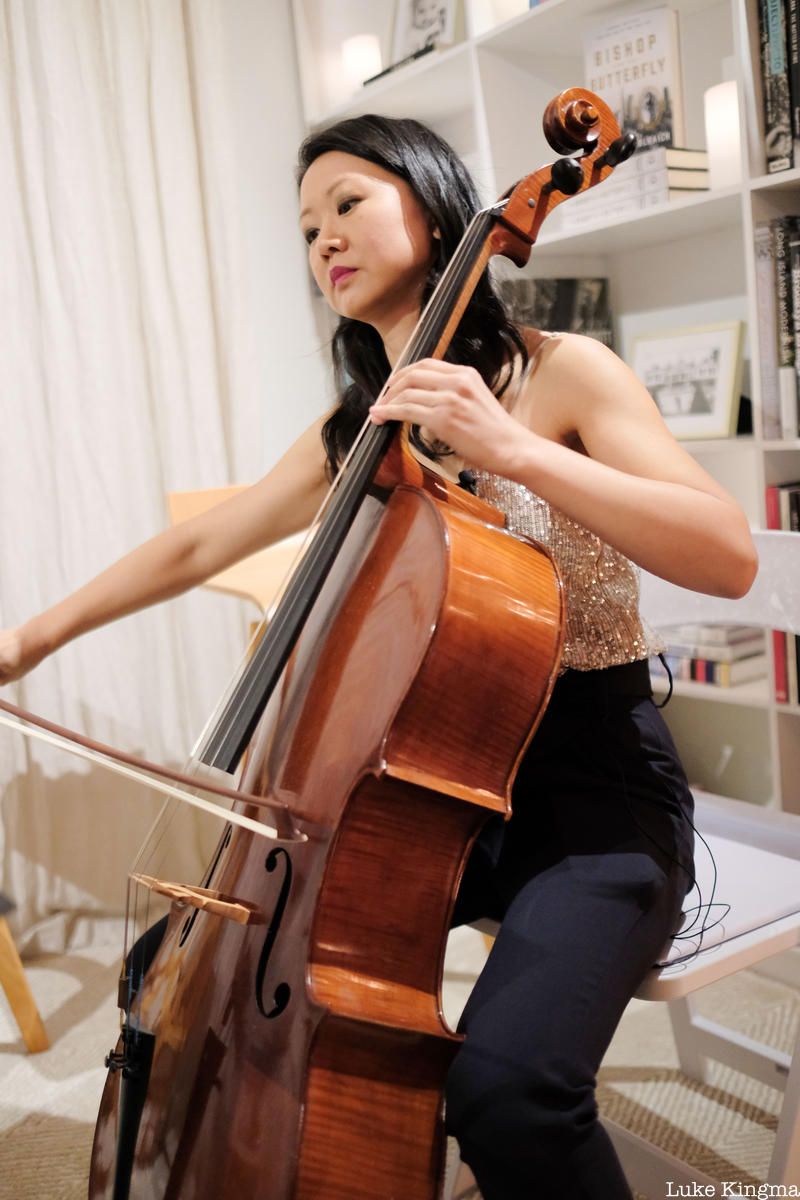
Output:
[[468, 481]]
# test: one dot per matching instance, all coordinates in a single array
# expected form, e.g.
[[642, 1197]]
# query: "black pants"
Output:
[[587, 879]]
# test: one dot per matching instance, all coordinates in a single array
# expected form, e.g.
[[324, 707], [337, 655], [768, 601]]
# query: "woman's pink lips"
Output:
[[341, 273]]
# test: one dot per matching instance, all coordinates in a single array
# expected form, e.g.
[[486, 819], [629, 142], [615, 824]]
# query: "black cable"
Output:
[[683, 933], [668, 696]]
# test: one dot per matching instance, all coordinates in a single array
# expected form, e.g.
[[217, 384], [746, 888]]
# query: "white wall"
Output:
[[292, 361]]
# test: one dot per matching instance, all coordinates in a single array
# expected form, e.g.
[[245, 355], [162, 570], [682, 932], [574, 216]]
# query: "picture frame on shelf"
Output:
[[694, 375], [421, 23]]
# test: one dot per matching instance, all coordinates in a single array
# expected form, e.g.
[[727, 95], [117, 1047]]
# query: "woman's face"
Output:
[[370, 242]]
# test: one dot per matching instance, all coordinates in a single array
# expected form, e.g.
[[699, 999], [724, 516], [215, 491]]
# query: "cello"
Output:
[[286, 1040]]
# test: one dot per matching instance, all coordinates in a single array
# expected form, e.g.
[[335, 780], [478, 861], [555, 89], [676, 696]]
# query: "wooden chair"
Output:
[[757, 855], [257, 578], [16, 987]]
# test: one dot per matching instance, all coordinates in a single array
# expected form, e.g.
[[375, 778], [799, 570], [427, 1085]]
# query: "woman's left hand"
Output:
[[453, 404]]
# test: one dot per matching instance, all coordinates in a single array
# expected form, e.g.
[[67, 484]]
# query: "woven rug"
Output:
[[48, 1101], [726, 1127]]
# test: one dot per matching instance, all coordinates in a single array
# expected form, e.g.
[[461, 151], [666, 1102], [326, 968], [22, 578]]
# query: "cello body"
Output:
[[302, 1056]]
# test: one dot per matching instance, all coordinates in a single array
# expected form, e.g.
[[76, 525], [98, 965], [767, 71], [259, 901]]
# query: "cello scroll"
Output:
[[576, 120]]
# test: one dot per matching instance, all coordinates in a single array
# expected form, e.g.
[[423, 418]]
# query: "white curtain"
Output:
[[156, 334]]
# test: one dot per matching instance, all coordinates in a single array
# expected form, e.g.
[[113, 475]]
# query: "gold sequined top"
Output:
[[601, 586]]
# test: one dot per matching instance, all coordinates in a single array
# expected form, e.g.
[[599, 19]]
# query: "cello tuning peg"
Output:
[[566, 176], [619, 150], [115, 1060]]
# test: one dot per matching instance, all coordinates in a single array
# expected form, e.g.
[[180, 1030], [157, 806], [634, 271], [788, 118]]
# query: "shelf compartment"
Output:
[[433, 89], [549, 29], [725, 747], [693, 217], [749, 695], [782, 181]]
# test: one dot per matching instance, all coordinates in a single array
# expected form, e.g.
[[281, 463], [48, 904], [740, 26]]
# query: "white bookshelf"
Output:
[[749, 695], [687, 263], [706, 213]]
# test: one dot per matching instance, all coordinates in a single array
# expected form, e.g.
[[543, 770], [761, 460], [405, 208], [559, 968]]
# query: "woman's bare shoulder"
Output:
[[535, 339], [562, 364], [523, 366]]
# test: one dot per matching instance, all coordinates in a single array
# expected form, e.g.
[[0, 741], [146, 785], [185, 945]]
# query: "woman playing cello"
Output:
[[589, 875]]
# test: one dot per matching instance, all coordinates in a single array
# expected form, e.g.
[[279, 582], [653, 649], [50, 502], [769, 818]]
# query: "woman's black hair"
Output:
[[485, 339]]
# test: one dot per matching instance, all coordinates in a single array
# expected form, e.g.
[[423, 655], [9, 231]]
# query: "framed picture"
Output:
[[420, 23], [694, 375]]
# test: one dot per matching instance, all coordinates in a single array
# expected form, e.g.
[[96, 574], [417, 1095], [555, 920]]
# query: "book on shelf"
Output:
[[575, 216], [656, 157], [578, 305], [717, 635], [766, 302], [793, 242], [689, 669], [720, 655], [777, 247], [787, 379], [636, 183], [791, 669], [728, 674], [783, 512], [634, 171], [632, 61], [714, 651], [631, 189], [792, 20], [777, 104]]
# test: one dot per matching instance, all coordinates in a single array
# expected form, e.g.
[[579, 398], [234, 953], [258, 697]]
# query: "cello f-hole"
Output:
[[283, 991]]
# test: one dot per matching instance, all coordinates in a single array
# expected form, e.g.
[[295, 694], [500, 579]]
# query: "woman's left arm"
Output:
[[635, 487], [638, 489]]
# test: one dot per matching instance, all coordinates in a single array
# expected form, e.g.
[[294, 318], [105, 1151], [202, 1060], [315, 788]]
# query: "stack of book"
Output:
[[783, 512], [651, 177], [777, 245], [721, 655]]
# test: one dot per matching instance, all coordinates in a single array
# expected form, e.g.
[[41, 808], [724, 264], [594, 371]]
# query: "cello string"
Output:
[[245, 699], [155, 847], [126, 949], [439, 302]]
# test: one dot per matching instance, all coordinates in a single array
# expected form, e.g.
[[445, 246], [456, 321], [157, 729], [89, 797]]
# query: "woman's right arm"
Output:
[[284, 502]]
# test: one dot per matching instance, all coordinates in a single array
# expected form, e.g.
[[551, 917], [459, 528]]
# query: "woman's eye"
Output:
[[342, 208]]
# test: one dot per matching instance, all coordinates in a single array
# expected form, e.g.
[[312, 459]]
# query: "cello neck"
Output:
[[231, 733]]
